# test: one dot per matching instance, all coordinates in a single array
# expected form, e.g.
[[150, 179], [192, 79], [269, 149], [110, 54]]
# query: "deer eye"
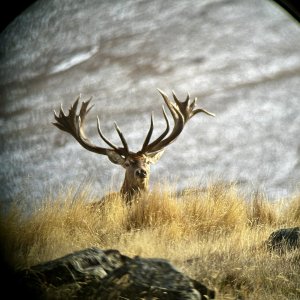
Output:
[[127, 164]]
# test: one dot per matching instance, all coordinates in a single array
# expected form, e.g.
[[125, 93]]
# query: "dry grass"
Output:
[[213, 235]]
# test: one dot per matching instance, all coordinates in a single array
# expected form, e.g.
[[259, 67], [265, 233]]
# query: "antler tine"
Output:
[[193, 103], [61, 119], [122, 138], [61, 111], [160, 138], [73, 108], [169, 104], [148, 137], [179, 103], [187, 99], [198, 110], [175, 98], [84, 110], [57, 124], [106, 140]]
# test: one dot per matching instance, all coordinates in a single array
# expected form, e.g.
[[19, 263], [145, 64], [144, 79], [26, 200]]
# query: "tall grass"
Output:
[[213, 235]]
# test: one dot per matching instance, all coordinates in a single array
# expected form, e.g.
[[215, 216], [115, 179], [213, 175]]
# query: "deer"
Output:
[[136, 164]]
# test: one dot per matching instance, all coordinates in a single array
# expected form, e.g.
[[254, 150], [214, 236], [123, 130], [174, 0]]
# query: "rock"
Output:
[[78, 266], [96, 274], [64, 276], [150, 278], [284, 239]]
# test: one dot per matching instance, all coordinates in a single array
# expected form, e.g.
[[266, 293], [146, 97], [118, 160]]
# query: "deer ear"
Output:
[[154, 157], [114, 157]]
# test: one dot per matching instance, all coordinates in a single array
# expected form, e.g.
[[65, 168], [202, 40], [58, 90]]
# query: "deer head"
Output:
[[136, 164]]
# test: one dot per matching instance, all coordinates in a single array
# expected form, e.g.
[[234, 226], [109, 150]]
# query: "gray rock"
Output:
[[151, 279], [96, 274], [284, 239]]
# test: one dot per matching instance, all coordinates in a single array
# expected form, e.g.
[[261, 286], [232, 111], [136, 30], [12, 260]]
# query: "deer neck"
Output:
[[130, 189]]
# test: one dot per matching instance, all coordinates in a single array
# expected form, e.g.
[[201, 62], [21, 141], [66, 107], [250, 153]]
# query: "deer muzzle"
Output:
[[141, 173]]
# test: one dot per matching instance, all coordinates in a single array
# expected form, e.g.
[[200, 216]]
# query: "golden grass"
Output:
[[213, 235]]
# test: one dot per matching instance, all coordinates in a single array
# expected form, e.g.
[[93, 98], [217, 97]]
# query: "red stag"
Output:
[[136, 164]]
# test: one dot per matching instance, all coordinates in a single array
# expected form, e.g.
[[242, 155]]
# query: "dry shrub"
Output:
[[110, 218], [213, 235], [291, 214], [53, 229], [153, 210], [262, 211], [219, 207]]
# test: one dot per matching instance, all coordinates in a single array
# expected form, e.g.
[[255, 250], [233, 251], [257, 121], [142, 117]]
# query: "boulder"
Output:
[[95, 274], [284, 239]]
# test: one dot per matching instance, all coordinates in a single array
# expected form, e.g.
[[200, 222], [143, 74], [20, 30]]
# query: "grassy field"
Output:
[[213, 235]]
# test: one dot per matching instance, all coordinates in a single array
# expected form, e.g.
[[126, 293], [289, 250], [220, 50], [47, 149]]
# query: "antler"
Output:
[[181, 113], [74, 124]]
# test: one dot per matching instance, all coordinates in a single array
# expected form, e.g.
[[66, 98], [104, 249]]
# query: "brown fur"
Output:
[[137, 174]]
